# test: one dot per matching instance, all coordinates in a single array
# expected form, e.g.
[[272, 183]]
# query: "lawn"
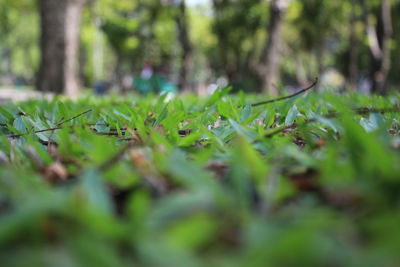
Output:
[[311, 180]]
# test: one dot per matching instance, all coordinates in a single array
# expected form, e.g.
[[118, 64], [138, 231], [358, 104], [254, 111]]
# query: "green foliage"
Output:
[[19, 27], [140, 31], [228, 37], [241, 39], [195, 182]]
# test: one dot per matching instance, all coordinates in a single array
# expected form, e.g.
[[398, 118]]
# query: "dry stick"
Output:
[[114, 132], [359, 111], [364, 111], [180, 132], [111, 133], [39, 131], [74, 117], [58, 126], [288, 96]]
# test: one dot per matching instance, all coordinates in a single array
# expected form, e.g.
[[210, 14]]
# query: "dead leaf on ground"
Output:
[[306, 181], [134, 135], [320, 142], [218, 168], [146, 169], [55, 172]]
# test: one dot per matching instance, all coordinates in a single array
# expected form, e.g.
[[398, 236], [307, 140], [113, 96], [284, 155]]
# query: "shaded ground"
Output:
[[17, 94]]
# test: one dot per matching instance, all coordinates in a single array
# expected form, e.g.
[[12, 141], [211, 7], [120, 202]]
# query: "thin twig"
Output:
[[74, 117], [38, 131], [288, 96], [332, 114], [111, 133], [185, 132], [364, 111], [58, 126]]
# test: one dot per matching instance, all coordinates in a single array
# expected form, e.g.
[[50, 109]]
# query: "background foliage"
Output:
[[321, 38]]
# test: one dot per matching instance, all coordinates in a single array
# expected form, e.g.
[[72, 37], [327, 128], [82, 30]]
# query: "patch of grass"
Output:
[[309, 181]]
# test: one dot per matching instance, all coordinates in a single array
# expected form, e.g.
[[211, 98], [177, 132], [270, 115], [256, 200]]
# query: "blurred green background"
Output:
[[197, 45]]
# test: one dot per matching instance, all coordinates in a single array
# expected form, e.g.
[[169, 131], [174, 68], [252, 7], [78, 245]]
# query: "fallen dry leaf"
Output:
[[56, 172]]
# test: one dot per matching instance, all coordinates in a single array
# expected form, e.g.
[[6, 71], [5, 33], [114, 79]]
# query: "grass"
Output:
[[309, 181]]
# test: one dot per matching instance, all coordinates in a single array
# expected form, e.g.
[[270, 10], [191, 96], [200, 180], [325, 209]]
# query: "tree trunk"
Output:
[[186, 46], [270, 60], [380, 74], [352, 77], [379, 43], [60, 27]]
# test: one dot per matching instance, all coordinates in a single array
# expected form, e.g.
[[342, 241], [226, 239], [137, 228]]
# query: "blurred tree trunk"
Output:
[[353, 49], [382, 63], [379, 42], [269, 68], [186, 46], [60, 27]]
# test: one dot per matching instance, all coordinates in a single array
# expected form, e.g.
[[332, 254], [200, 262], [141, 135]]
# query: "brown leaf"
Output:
[[150, 176], [134, 136], [184, 132], [299, 142], [53, 151], [218, 168], [306, 181], [320, 142], [56, 172]]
